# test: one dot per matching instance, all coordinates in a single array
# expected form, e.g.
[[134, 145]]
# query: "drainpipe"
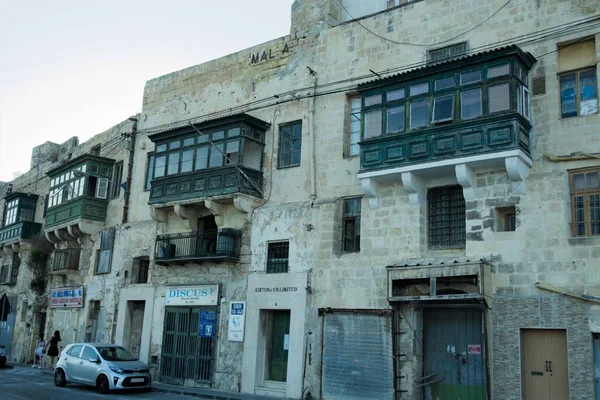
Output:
[[311, 124], [129, 170]]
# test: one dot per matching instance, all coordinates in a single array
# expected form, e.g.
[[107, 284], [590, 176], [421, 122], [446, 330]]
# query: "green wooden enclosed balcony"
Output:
[[19, 219], [78, 198], [216, 158], [447, 120]]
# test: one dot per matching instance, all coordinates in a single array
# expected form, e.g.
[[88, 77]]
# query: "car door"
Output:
[[71, 361], [88, 369]]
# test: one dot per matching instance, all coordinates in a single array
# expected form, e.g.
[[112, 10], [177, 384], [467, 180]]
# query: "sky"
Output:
[[77, 67]]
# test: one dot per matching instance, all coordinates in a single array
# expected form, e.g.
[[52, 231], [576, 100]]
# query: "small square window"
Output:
[[506, 219]]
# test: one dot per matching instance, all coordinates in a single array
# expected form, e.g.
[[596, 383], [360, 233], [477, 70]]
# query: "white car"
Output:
[[105, 366]]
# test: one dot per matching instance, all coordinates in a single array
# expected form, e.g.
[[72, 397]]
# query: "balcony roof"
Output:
[[178, 128], [15, 195], [452, 64], [78, 160]]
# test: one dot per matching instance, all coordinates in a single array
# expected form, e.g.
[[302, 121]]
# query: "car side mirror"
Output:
[[95, 360]]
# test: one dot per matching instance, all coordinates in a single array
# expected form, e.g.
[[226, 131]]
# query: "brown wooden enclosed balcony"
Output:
[[65, 261], [196, 247]]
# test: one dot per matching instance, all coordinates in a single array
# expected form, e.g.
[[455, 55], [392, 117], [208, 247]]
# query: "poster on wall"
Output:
[[206, 325], [237, 319], [66, 297]]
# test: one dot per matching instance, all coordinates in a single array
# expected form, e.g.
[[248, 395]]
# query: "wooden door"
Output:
[[545, 364], [280, 330], [137, 323]]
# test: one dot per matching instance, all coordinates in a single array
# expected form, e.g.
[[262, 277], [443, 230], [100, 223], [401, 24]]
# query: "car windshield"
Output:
[[115, 354]]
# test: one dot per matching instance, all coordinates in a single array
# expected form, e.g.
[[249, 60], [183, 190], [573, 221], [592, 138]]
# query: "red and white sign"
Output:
[[474, 349]]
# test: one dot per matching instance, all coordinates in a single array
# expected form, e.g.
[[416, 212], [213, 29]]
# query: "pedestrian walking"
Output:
[[52, 348]]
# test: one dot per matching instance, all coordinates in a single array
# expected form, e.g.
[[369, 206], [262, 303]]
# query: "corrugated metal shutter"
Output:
[[357, 357]]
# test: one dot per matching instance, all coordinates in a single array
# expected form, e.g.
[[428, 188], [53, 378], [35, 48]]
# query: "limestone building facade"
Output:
[[396, 202]]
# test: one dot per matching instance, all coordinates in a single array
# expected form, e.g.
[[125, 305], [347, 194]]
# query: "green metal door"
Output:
[[280, 331], [454, 354], [187, 359]]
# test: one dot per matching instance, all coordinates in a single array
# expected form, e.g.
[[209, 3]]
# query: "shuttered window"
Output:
[[107, 238]]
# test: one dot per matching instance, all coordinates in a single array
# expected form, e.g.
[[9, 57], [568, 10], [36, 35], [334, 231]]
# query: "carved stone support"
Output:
[[158, 214], [371, 188], [415, 187], [51, 237], [218, 210], [466, 178], [518, 170]]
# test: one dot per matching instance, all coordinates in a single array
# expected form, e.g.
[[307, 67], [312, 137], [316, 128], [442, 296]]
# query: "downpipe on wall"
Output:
[[311, 124], [129, 169]]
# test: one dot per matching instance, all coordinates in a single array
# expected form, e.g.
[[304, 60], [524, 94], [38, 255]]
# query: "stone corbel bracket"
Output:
[[158, 214], [466, 178], [415, 186], [218, 210], [187, 213], [518, 171], [245, 204], [371, 188]]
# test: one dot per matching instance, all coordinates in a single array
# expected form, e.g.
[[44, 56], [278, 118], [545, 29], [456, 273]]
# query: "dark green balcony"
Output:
[[206, 183], [481, 137], [19, 231], [79, 196], [84, 208]]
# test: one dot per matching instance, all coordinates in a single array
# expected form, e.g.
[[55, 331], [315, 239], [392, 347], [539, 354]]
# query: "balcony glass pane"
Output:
[[233, 152], [498, 70], [174, 145], [216, 156], [396, 94], [173, 163], [419, 113], [499, 97], [160, 147], [187, 160], [470, 101], [395, 119], [443, 108], [372, 100], [470, 77], [373, 123], [444, 83], [188, 142], [233, 132], [159, 166], [419, 89], [202, 139], [201, 158], [218, 135], [252, 154]]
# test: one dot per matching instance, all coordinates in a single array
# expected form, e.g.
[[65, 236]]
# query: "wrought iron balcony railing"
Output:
[[215, 245]]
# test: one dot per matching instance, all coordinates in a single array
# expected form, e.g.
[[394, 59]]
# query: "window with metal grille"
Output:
[[446, 52], [351, 225], [278, 257], [14, 272], [290, 144], [585, 202], [4, 274], [139, 273], [446, 213]]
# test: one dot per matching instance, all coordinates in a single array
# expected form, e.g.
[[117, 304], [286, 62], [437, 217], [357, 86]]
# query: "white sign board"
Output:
[[237, 320], [200, 295]]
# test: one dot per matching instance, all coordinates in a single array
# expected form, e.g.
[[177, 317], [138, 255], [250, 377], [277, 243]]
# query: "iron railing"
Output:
[[65, 260], [204, 245]]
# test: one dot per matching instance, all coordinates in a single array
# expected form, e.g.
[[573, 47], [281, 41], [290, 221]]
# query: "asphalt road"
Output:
[[26, 383]]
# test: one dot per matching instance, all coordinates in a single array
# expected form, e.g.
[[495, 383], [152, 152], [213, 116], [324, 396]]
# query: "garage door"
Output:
[[357, 356]]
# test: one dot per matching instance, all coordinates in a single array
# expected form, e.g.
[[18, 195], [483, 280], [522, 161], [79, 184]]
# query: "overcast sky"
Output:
[[78, 67]]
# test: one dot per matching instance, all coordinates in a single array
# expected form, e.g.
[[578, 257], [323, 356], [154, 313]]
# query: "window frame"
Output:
[[115, 192], [351, 217], [149, 171], [457, 206], [577, 73], [352, 113], [282, 162], [586, 193], [272, 266]]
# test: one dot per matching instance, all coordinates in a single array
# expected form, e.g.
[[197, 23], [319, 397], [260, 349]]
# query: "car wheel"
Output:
[[102, 384], [59, 378]]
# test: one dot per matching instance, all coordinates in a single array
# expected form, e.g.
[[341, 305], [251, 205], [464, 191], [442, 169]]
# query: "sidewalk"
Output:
[[201, 393]]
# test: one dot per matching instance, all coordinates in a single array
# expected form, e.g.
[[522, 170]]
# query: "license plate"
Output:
[[137, 380]]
